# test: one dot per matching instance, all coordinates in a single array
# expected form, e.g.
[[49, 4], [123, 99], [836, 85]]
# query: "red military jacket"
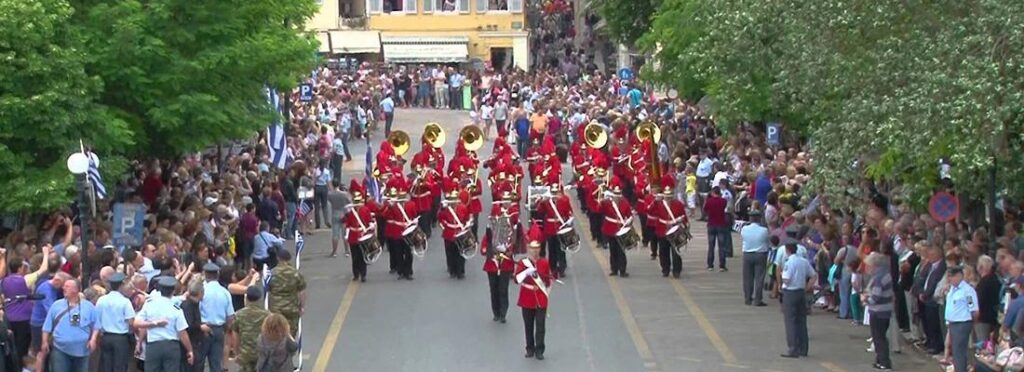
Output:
[[530, 294], [495, 262], [665, 214], [643, 206], [423, 193], [453, 219], [615, 220], [360, 221], [474, 198], [436, 156], [552, 209], [497, 208], [395, 221], [592, 196], [498, 187]]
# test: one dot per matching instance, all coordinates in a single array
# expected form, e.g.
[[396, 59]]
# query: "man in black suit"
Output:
[[925, 284]]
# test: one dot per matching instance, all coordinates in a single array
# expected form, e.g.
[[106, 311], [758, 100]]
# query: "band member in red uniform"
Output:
[[596, 186], [643, 209], [669, 215], [558, 215], [498, 266], [533, 274], [361, 227], [400, 215], [618, 219], [423, 188], [454, 221]]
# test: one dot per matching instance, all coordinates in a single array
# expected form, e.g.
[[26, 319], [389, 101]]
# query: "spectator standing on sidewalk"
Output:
[[879, 297], [961, 311], [718, 228], [755, 259], [387, 107], [455, 81], [440, 88]]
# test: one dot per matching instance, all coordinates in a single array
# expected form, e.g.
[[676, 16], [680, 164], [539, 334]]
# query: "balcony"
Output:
[[353, 23]]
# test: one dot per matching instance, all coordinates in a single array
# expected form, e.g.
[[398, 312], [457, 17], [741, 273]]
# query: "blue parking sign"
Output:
[[774, 134], [129, 219], [306, 92], [626, 73]]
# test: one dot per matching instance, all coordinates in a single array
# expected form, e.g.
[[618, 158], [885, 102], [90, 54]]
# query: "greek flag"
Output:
[[371, 183], [277, 142], [267, 274], [94, 176], [300, 243]]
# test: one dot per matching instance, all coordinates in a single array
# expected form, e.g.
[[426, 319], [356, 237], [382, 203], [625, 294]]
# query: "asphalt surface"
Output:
[[595, 323]]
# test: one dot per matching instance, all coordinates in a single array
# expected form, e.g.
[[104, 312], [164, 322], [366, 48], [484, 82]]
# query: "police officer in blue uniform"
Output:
[[116, 317], [215, 310], [961, 311], [162, 326]]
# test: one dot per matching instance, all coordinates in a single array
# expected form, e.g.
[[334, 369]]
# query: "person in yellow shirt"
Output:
[[691, 188]]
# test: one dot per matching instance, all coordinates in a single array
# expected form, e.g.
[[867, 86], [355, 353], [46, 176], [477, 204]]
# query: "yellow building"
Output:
[[426, 31]]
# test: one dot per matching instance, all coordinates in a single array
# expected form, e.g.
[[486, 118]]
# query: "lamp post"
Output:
[[78, 164]]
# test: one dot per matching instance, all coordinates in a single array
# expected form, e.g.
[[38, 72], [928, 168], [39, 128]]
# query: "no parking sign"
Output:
[[944, 207]]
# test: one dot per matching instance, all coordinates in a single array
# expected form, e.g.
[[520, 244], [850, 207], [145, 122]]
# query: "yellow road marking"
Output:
[[331, 339], [832, 367], [620, 301], [705, 325]]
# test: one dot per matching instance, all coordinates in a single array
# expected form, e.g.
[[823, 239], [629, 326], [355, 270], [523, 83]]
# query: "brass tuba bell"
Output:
[[648, 130], [399, 140], [472, 137], [595, 136], [434, 135]]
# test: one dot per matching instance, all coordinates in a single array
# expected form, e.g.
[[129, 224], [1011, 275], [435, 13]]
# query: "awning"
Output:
[[322, 38], [350, 42], [425, 49]]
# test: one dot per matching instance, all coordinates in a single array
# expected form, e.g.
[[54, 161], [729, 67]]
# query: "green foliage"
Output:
[[134, 79], [888, 86], [626, 20], [189, 74], [46, 105]]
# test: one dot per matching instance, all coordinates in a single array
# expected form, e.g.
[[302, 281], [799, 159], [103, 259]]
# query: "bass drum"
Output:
[[466, 244], [569, 240]]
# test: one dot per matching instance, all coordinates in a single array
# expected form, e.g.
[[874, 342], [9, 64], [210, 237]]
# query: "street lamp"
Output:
[[78, 164]]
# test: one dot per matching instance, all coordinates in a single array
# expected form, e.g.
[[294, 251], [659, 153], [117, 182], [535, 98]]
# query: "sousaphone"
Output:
[[472, 137], [434, 135], [399, 140]]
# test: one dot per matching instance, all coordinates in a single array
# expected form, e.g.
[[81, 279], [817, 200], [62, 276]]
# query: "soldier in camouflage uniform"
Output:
[[247, 326], [287, 290]]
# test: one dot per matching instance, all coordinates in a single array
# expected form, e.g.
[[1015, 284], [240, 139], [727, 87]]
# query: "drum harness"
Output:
[[359, 220], [615, 206], [563, 221], [408, 221]]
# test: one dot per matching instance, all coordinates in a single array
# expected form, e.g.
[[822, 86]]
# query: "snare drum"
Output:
[[628, 239], [466, 244], [569, 240]]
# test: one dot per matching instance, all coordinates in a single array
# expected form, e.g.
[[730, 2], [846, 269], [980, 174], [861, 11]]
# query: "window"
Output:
[[496, 5], [445, 6], [515, 5], [392, 6]]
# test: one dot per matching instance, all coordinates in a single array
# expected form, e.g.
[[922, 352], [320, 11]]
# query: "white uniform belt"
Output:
[[530, 287]]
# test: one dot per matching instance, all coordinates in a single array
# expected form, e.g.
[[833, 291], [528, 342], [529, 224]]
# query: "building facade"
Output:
[[480, 32]]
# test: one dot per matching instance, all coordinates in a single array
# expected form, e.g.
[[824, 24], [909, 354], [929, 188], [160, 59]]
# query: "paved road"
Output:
[[596, 322]]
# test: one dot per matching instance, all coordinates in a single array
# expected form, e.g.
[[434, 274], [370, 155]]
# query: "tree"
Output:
[[47, 104], [627, 20], [186, 75]]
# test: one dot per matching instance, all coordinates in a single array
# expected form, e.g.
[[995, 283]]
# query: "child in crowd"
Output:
[[856, 283], [691, 188]]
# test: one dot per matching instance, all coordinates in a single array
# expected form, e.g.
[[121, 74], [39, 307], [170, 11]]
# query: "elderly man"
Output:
[[48, 293], [755, 259], [72, 325], [797, 277], [287, 290]]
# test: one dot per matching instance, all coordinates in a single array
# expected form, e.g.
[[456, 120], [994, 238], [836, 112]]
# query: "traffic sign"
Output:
[[306, 92], [944, 207], [128, 224], [626, 73], [774, 134]]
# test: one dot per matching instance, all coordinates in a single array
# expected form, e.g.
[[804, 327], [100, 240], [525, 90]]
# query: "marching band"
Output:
[[614, 179]]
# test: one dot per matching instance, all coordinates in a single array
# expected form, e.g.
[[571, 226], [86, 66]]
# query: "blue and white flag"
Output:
[[277, 141], [371, 182], [94, 176], [300, 243]]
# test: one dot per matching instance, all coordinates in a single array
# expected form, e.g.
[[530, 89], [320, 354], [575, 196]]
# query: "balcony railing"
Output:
[[353, 23]]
